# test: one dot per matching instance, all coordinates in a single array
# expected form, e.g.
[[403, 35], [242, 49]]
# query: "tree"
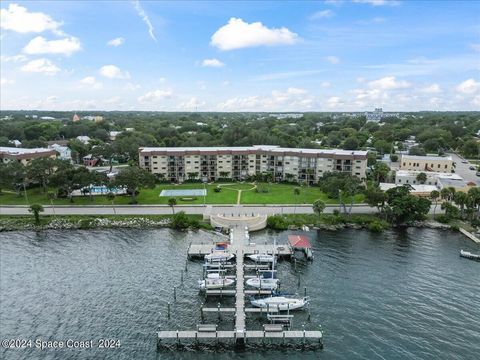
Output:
[[470, 148], [111, 197], [380, 171], [350, 143], [106, 151], [296, 192], [51, 197], [172, 202], [434, 195], [180, 221], [416, 150], [39, 171], [341, 186], [375, 197], [460, 198], [404, 207], [318, 207], [421, 178], [36, 209], [133, 179], [394, 158]]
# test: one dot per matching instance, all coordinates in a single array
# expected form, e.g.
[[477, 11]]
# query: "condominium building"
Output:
[[427, 163], [239, 163], [24, 156]]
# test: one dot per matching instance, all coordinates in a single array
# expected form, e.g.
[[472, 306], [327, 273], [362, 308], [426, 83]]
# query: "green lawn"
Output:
[[277, 194], [283, 194]]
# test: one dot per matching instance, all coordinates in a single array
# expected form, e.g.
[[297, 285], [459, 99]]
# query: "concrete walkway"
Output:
[[189, 209]]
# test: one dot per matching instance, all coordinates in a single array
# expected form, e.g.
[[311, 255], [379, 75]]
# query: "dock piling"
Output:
[[168, 310], [175, 293]]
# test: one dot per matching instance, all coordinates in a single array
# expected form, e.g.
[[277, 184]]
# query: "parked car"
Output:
[[464, 161], [472, 168], [477, 173]]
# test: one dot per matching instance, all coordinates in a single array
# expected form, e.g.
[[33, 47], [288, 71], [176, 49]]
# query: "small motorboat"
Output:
[[280, 303], [262, 258], [214, 281], [219, 256], [266, 281], [469, 255]]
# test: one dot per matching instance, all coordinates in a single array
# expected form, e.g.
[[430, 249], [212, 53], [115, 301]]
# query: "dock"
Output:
[[241, 246]]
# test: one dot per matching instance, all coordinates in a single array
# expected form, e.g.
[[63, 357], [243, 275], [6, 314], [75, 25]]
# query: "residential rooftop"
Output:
[[439, 175], [19, 151], [429, 157]]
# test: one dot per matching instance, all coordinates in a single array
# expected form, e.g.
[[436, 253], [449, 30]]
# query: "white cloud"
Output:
[[191, 104], [476, 100], [389, 83], [212, 63], [334, 102], [13, 58], [113, 72], [378, 2], [162, 80], [322, 14], [91, 82], [5, 81], [432, 89], [332, 59], [468, 87], [155, 96], [131, 87], [44, 66], [116, 42], [475, 47], [40, 45], [325, 84], [291, 99], [238, 34], [145, 18], [17, 18], [201, 85]]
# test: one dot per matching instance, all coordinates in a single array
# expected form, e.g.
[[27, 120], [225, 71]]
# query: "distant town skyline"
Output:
[[329, 55]]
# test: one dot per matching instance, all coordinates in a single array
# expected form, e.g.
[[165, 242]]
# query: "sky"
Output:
[[328, 55]]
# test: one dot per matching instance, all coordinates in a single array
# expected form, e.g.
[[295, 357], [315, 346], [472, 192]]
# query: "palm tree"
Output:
[[318, 207], [172, 202], [444, 194], [296, 192], [434, 195], [460, 198], [51, 196], [111, 197], [36, 209]]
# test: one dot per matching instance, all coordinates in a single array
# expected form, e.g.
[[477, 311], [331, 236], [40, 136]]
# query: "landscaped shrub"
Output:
[[277, 222], [217, 189], [376, 226], [442, 218]]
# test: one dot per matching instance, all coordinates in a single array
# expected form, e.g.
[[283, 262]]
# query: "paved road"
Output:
[[163, 209], [463, 169]]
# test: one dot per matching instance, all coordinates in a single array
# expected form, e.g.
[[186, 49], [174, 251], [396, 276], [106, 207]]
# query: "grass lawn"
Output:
[[278, 194], [283, 194]]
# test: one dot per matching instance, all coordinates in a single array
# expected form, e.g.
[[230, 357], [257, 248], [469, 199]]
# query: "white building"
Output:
[[418, 190], [83, 139], [374, 116], [426, 163], [239, 163], [113, 135], [410, 177], [64, 152], [24, 156]]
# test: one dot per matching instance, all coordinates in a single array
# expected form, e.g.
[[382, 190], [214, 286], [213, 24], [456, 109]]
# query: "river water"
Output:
[[397, 295]]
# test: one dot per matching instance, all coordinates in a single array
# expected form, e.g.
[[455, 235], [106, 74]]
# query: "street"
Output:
[[463, 169]]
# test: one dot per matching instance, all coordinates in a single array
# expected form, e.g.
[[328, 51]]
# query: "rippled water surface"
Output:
[[397, 295]]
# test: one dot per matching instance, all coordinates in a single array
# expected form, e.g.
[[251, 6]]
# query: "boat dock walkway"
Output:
[[241, 246], [470, 235]]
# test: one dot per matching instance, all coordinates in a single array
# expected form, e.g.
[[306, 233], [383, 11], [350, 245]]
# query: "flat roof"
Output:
[[416, 188], [416, 157], [440, 175], [269, 148], [453, 183], [19, 151]]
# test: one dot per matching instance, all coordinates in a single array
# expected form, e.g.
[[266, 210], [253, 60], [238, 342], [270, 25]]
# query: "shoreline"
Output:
[[89, 222]]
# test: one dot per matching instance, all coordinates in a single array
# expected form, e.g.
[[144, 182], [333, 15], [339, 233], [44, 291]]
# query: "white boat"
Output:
[[264, 284], [214, 281], [262, 258], [469, 255], [266, 281], [219, 256], [280, 303]]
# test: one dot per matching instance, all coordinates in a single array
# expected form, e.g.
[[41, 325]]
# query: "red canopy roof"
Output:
[[299, 241]]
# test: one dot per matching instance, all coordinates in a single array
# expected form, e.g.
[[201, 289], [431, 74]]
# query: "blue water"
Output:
[[397, 295]]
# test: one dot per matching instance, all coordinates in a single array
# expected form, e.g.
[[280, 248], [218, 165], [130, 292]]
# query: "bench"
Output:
[[272, 327], [207, 327]]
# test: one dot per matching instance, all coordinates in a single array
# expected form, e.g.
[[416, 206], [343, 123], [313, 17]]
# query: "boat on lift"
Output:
[[219, 256], [262, 258], [267, 281], [214, 281], [469, 255], [280, 303]]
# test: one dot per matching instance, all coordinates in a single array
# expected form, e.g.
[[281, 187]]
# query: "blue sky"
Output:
[[240, 56]]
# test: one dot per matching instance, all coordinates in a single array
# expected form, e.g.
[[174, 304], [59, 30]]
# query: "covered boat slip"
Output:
[[275, 328]]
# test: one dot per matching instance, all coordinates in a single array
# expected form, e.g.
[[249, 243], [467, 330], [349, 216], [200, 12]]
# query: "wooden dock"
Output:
[[241, 246]]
